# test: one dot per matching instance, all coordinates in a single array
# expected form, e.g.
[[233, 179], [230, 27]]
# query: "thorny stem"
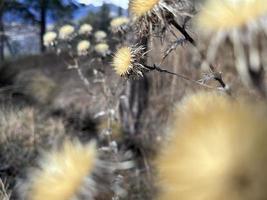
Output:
[[182, 30], [216, 76]]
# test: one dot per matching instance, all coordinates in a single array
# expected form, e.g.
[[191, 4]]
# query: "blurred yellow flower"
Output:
[[217, 149], [62, 173], [228, 14]]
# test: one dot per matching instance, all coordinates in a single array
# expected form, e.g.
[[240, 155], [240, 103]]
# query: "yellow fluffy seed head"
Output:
[[66, 31], [229, 14], [63, 172], [217, 150], [122, 61], [85, 29], [102, 48], [83, 47], [141, 7], [49, 38]]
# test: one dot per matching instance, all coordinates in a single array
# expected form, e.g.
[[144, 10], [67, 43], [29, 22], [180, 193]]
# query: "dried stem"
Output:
[[216, 75], [157, 68]]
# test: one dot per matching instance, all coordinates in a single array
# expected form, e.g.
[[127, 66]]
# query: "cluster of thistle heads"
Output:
[[242, 22], [84, 36]]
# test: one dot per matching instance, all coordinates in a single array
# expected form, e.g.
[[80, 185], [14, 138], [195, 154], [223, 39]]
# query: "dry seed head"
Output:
[[118, 22], [153, 15], [228, 14], [83, 47], [204, 158], [100, 35], [66, 32], [62, 173], [141, 7], [102, 49], [85, 29], [49, 38], [126, 61]]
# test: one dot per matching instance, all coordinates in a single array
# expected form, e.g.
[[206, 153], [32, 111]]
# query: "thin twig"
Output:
[[157, 68]]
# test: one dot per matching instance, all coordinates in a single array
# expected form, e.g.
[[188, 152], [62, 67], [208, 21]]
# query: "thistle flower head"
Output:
[[153, 15], [118, 23], [83, 47], [102, 49], [62, 173], [49, 38], [142, 7], [100, 36], [228, 14], [126, 61], [85, 29], [66, 32], [204, 158]]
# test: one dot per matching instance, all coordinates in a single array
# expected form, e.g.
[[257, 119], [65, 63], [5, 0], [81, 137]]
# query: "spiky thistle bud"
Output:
[[127, 61], [102, 49], [85, 29], [64, 174], [83, 47], [217, 150], [66, 32], [100, 36], [50, 38]]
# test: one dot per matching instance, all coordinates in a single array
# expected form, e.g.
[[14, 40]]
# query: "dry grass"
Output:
[[23, 132], [4, 195]]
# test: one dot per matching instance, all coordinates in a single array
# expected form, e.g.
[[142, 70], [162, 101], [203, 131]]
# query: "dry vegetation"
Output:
[[73, 93]]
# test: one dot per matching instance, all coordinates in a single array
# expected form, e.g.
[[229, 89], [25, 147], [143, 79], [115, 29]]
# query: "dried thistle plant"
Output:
[[245, 24], [156, 15], [204, 158]]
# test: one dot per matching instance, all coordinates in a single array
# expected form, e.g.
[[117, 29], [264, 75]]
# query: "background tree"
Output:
[[99, 20], [55, 9], [17, 9]]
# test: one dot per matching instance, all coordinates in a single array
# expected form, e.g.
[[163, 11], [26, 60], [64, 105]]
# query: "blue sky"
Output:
[[121, 3]]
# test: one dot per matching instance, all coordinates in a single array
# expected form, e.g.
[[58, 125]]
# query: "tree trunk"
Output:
[[43, 9]]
